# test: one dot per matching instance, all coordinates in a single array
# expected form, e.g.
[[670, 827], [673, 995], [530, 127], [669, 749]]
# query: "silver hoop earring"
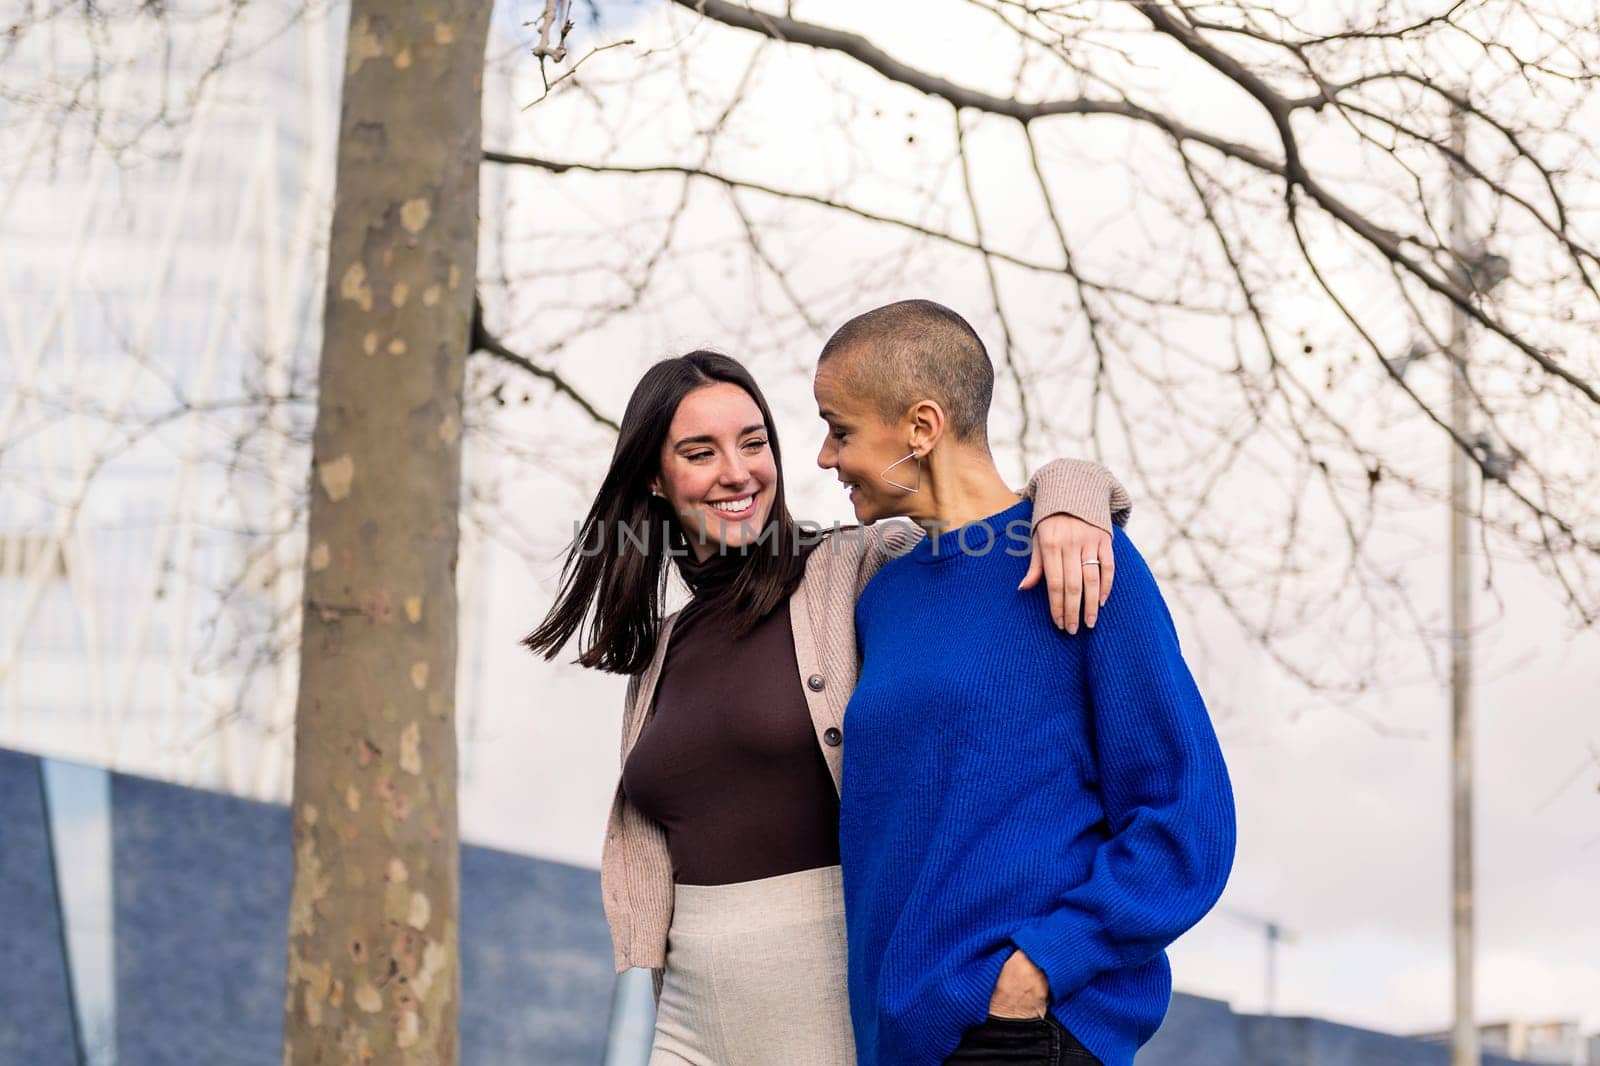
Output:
[[908, 488]]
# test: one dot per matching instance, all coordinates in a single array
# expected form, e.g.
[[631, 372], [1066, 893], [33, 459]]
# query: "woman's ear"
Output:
[[927, 425]]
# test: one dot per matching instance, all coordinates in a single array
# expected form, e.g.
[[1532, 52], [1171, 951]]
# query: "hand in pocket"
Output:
[[1022, 991]]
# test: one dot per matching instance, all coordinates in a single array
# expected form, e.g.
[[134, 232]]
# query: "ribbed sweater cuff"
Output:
[[1067, 946], [1080, 488]]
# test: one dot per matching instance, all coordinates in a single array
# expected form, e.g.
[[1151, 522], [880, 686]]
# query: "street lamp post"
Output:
[[1474, 270], [1464, 1039]]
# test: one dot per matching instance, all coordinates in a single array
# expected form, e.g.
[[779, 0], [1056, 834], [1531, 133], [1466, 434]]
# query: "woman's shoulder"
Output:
[[842, 539], [857, 550]]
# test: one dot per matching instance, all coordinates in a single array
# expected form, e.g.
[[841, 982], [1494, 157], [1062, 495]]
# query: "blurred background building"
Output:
[[157, 283], [1557, 1042]]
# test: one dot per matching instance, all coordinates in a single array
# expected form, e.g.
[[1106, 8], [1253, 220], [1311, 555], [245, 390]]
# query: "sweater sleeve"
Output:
[[1081, 488], [1168, 804]]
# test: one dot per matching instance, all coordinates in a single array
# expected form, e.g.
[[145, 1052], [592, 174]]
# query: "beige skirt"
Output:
[[755, 975]]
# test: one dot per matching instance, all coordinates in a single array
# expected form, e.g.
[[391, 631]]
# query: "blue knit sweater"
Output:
[[1009, 786]]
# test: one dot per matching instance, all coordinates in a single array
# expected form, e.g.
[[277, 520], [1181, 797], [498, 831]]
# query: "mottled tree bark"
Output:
[[373, 970]]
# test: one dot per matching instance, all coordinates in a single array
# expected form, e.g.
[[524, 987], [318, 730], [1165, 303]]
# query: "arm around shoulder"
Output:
[[1081, 488]]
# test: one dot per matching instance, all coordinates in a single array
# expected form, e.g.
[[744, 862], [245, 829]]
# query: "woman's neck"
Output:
[[715, 569], [959, 485]]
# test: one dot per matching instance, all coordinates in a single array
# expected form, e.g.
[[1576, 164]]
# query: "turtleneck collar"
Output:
[[706, 577]]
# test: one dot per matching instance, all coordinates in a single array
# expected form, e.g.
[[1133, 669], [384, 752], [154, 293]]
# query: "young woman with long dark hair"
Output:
[[721, 861]]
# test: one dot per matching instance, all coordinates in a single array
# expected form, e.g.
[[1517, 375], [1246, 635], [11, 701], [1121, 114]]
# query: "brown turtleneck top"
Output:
[[728, 763]]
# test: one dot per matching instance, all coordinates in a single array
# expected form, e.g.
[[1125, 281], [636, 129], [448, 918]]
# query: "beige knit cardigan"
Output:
[[635, 870]]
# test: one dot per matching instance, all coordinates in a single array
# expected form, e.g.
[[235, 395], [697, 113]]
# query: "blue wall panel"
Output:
[[202, 903], [35, 1000], [1206, 1032], [536, 962]]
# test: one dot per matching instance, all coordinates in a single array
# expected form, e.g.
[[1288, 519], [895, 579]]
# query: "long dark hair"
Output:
[[607, 573]]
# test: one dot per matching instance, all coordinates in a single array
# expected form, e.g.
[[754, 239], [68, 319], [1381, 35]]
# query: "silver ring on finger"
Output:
[[1091, 562]]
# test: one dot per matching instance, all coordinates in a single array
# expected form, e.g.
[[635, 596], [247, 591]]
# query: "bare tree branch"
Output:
[[484, 341]]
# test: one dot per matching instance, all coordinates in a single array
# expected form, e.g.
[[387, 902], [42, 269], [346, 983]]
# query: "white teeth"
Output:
[[734, 506]]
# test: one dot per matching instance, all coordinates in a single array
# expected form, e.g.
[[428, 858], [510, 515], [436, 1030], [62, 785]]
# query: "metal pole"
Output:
[[1272, 969], [1464, 1041]]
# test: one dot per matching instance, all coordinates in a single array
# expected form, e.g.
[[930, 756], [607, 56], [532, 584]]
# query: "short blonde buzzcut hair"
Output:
[[916, 350]]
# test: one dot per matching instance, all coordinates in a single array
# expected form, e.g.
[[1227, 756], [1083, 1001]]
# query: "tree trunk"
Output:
[[373, 971]]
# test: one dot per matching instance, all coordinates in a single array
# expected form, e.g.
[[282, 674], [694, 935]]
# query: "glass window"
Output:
[[79, 804]]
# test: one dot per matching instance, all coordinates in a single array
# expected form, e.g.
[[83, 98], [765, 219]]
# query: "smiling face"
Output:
[[861, 444], [717, 471]]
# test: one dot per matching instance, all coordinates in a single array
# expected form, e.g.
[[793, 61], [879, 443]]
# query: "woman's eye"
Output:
[[837, 435], [755, 445], [696, 457]]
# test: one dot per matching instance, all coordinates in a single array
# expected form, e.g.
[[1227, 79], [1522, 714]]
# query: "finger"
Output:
[[1072, 585], [1053, 578], [1035, 568], [1091, 587], [1108, 567]]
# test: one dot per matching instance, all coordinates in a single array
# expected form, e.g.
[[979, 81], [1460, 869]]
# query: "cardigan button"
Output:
[[832, 737], [815, 682]]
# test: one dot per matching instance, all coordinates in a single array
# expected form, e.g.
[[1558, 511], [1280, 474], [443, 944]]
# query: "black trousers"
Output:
[[1011, 1041]]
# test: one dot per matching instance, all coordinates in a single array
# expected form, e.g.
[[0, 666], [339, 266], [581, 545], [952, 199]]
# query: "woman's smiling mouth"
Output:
[[741, 507]]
